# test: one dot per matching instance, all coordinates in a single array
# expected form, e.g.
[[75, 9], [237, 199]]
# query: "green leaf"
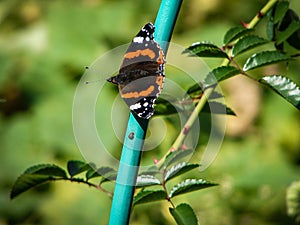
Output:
[[36, 175], [283, 35], [108, 174], [220, 73], [146, 180], [27, 181], [205, 49], [234, 33], [246, 43], [217, 108], [91, 173], [165, 107], [280, 11], [264, 58], [184, 215], [270, 26], [149, 196], [102, 171], [46, 169], [196, 91], [284, 87], [293, 200], [179, 169], [76, 167], [176, 156], [152, 170], [288, 24], [189, 185]]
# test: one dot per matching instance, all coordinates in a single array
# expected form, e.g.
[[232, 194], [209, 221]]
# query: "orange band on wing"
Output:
[[161, 59], [138, 94], [146, 52]]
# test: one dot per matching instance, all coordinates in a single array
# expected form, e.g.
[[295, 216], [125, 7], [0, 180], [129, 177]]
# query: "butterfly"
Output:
[[141, 75]]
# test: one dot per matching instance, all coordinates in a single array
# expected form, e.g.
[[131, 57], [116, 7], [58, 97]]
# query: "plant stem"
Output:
[[185, 130], [178, 142], [260, 14], [255, 20]]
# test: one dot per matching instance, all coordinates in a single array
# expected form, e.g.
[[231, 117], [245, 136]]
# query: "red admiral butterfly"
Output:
[[141, 74]]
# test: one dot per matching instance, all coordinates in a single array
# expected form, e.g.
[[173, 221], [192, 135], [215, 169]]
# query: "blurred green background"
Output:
[[44, 48]]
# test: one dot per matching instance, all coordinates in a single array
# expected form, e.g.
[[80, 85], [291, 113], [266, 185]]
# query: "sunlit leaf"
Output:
[[264, 58], [284, 87], [235, 33], [205, 49], [189, 185], [179, 169], [220, 73], [184, 215], [246, 43], [146, 180], [76, 167], [36, 175], [147, 196]]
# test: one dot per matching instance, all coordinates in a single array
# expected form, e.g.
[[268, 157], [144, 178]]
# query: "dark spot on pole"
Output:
[[131, 135]]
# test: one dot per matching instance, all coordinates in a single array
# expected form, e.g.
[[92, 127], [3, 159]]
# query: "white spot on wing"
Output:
[[138, 39], [135, 106]]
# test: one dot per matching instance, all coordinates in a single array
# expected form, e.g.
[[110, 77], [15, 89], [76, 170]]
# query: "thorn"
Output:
[[155, 160], [184, 147], [244, 24], [172, 149]]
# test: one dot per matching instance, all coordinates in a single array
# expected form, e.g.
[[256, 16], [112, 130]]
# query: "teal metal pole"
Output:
[[137, 127]]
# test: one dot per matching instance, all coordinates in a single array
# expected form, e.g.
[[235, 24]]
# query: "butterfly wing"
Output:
[[141, 74]]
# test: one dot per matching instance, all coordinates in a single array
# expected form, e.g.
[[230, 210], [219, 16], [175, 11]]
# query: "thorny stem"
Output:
[[260, 14], [185, 130], [163, 183], [255, 20], [179, 141]]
